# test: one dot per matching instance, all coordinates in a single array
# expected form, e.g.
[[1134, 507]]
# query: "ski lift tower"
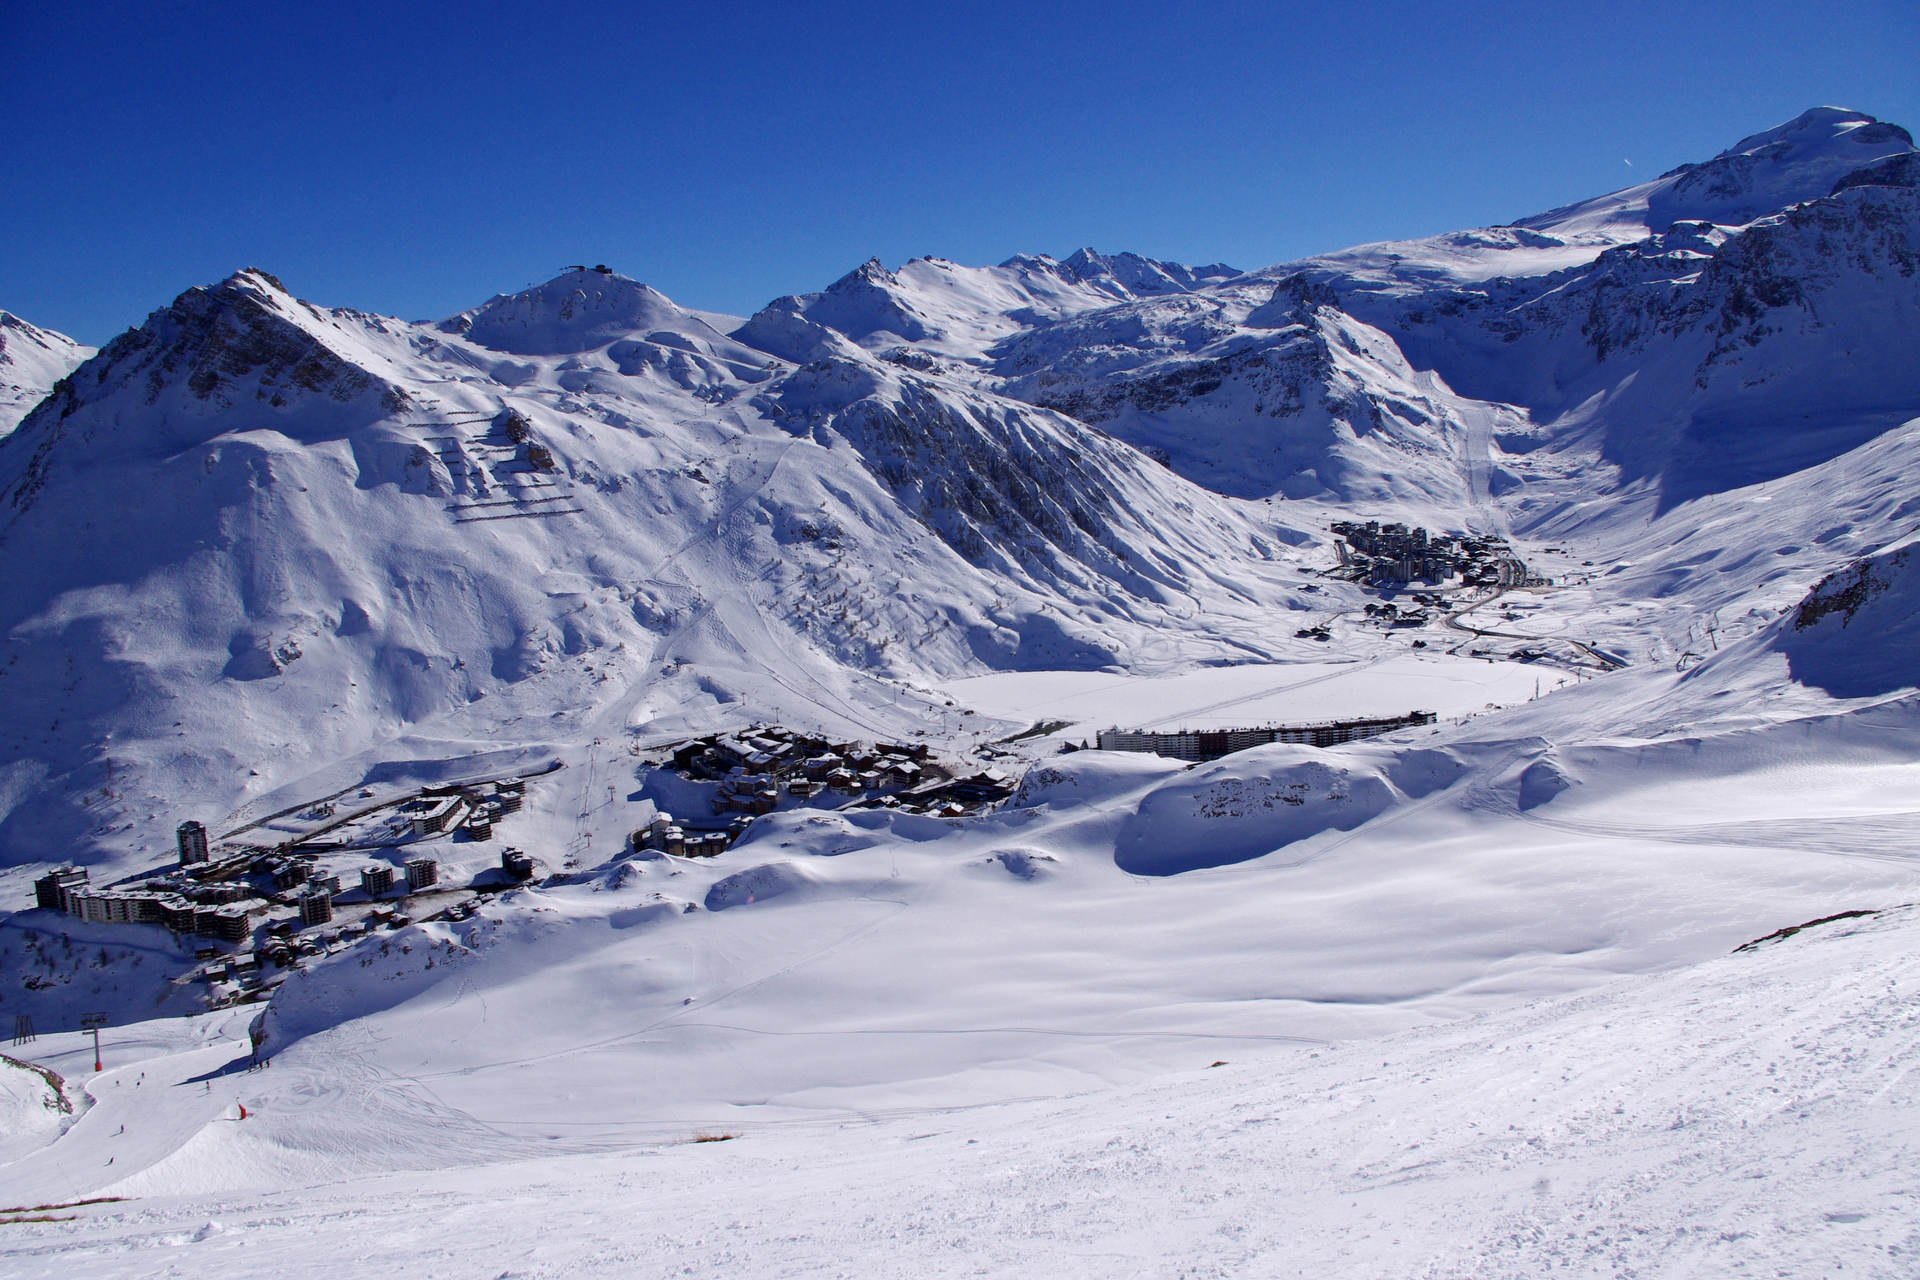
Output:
[[93, 1022]]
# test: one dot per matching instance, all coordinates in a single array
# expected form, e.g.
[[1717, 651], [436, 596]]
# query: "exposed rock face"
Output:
[[1857, 634]]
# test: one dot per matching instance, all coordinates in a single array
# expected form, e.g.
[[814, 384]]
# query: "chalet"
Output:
[[729, 752]]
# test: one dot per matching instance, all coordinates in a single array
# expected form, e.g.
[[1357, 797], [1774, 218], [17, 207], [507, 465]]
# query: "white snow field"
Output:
[[1752, 1113], [1462, 1000], [1257, 693]]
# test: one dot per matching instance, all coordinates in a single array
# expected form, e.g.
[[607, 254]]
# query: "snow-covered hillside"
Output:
[[269, 559], [256, 539], [32, 359]]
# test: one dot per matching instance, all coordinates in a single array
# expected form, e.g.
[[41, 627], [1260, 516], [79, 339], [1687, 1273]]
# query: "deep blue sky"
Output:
[[414, 160]]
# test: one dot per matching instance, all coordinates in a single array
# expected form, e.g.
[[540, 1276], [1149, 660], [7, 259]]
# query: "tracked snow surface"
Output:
[[1469, 999]]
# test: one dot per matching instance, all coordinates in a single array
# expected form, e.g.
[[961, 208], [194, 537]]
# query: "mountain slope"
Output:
[[262, 538], [32, 359]]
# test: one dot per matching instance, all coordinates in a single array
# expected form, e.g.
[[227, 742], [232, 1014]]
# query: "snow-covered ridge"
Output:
[[32, 359], [958, 312], [1759, 175]]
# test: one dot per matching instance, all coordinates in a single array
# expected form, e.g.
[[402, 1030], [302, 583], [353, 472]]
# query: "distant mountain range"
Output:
[[254, 541]]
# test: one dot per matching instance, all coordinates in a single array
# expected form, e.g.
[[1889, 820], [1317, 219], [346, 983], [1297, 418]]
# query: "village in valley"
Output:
[[263, 899], [340, 871]]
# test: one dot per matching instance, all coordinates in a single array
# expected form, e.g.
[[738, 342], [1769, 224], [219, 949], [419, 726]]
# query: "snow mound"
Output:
[[1541, 782], [33, 1109], [1249, 805], [1023, 864], [1090, 777], [348, 986], [757, 884]]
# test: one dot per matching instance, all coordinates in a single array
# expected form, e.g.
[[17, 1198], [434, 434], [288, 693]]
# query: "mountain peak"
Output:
[[1760, 175], [1141, 276], [580, 309], [1819, 127], [872, 271]]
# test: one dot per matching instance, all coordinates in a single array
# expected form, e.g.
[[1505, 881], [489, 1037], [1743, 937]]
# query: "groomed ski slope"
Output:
[[1752, 1114]]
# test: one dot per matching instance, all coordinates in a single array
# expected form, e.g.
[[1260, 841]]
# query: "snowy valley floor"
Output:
[[1749, 1115]]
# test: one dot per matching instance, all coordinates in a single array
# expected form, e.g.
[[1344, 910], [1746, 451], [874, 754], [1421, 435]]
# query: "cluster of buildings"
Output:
[[276, 906], [1394, 617], [473, 809], [756, 771], [223, 895], [1211, 744], [664, 835], [377, 879], [779, 756], [227, 912], [1394, 554], [206, 896]]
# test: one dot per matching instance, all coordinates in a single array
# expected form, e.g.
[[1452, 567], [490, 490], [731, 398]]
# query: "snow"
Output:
[[1745, 1113], [1460, 1000], [1255, 693], [34, 1109], [32, 359]]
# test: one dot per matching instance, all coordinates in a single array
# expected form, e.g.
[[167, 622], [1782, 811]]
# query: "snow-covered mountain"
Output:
[[265, 553], [941, 310], [1751, 304], [1764, 288], [914, 474], [32, 359], [256, 536]]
